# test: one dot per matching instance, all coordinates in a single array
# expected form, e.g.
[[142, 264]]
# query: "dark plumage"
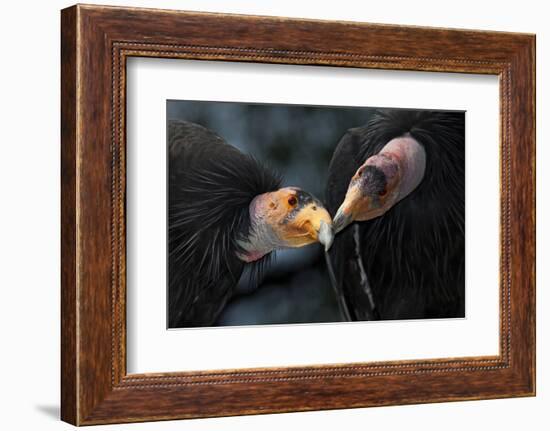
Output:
[[211, 185], [413, 255]]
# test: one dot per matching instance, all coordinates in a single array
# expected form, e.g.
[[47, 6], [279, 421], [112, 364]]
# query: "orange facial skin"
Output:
[[294, 215], [286, 218]]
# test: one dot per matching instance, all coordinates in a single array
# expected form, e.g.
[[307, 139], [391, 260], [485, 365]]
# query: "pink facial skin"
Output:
[[411, 158], [402, 161]]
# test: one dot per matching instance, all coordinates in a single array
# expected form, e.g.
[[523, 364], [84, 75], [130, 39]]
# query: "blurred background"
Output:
[[298, 142]]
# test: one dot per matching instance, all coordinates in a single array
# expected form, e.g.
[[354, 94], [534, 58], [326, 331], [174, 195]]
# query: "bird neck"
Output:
[[261, 239]]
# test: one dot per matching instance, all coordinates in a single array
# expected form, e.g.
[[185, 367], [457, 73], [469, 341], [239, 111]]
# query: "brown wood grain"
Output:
[[69, 367], [96, 41]]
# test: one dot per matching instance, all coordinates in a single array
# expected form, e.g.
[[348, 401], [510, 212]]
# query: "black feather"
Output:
[[211, 185], [413, 254]]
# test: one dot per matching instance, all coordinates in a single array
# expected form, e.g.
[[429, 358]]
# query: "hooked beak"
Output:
[[312, 224], [342, 219], [320, 229], [346, 213], [325, 235]]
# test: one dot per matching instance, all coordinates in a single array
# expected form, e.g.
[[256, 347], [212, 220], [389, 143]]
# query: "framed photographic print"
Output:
[[266, 214]]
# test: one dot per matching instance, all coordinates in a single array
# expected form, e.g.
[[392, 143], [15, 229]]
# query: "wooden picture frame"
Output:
[[96, 41]]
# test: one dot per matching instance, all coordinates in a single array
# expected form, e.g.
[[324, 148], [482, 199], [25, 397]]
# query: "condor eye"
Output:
[[292, 200], [383, 192]]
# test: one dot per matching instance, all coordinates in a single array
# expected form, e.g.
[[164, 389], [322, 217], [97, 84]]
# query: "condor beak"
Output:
[[342, 219], [345, 214], [316, 221], [358, 208], [325, 235]]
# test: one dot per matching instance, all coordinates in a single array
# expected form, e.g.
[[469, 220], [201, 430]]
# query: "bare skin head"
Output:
[[286, 218], [382, 181]]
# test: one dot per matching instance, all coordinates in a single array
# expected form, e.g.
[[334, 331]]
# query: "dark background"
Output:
[[298, 142]]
